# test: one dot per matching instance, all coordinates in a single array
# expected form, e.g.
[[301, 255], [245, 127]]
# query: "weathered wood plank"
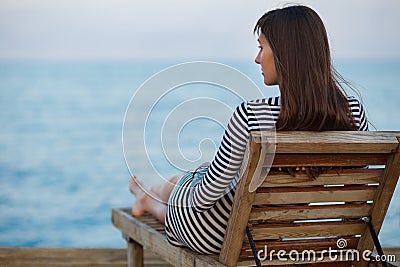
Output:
[[314, 160], [71, 257], [292, 213], [279, 196], [150, 221], [135, 254], [332, 141], [240, 211], [301, 230], [300, 245], [285, 260], [331, 177]]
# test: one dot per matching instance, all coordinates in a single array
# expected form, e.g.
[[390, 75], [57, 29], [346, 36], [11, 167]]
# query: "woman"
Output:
[[294, 54]]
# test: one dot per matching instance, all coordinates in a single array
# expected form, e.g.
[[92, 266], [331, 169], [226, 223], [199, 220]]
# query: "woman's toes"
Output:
[[135, 185], [137, 210]]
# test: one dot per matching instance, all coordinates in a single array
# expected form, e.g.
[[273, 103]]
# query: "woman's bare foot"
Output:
[[136, 188], [146, 202]]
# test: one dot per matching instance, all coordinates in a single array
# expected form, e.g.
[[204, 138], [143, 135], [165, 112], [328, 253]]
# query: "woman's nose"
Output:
[[257, 59]]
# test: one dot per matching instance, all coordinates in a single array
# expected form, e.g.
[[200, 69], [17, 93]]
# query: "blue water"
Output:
[[62, 168]]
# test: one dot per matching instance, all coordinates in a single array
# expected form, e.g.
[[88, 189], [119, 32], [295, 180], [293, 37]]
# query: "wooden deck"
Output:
[[393, 251], [79, 257], [71, 257]]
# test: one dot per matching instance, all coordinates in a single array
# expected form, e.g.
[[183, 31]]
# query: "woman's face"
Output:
[[265, 58]]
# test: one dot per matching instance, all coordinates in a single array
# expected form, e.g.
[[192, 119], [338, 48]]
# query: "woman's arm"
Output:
[[226, 163]]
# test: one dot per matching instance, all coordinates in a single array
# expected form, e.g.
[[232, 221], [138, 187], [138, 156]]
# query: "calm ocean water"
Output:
[[62, 166]]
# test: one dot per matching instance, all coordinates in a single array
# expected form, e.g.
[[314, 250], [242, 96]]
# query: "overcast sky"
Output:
[[181, 29]]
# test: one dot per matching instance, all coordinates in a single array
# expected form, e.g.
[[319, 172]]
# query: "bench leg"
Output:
[[135, 254]]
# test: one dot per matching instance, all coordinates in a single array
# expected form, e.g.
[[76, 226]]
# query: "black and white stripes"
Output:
[[200, 204]]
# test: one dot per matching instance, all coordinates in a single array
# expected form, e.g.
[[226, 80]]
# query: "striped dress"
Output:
[[200, 204]]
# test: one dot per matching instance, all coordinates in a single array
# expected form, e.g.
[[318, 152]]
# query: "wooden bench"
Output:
[[292, 212]]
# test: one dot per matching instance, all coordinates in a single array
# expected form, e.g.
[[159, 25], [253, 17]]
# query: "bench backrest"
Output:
[[291, 211]]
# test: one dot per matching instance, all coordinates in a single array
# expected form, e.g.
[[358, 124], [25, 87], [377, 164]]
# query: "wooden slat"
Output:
[[291, 213], [325, 262], [280, 196], [300, 245], [332, 141], [332, 177], [149, 220], [241, 207], [300, 230], [308, 256], [305, 160]]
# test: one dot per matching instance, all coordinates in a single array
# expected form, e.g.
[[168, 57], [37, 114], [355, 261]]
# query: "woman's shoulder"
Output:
[[354, 102], [270, 101], [259, 106], [262, 107], [352, 98]]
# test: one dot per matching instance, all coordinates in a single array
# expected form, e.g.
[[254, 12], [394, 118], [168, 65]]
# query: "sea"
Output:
[[65, 161]]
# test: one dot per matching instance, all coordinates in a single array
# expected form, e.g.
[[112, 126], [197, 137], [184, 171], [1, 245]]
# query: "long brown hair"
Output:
[[311, 95]]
